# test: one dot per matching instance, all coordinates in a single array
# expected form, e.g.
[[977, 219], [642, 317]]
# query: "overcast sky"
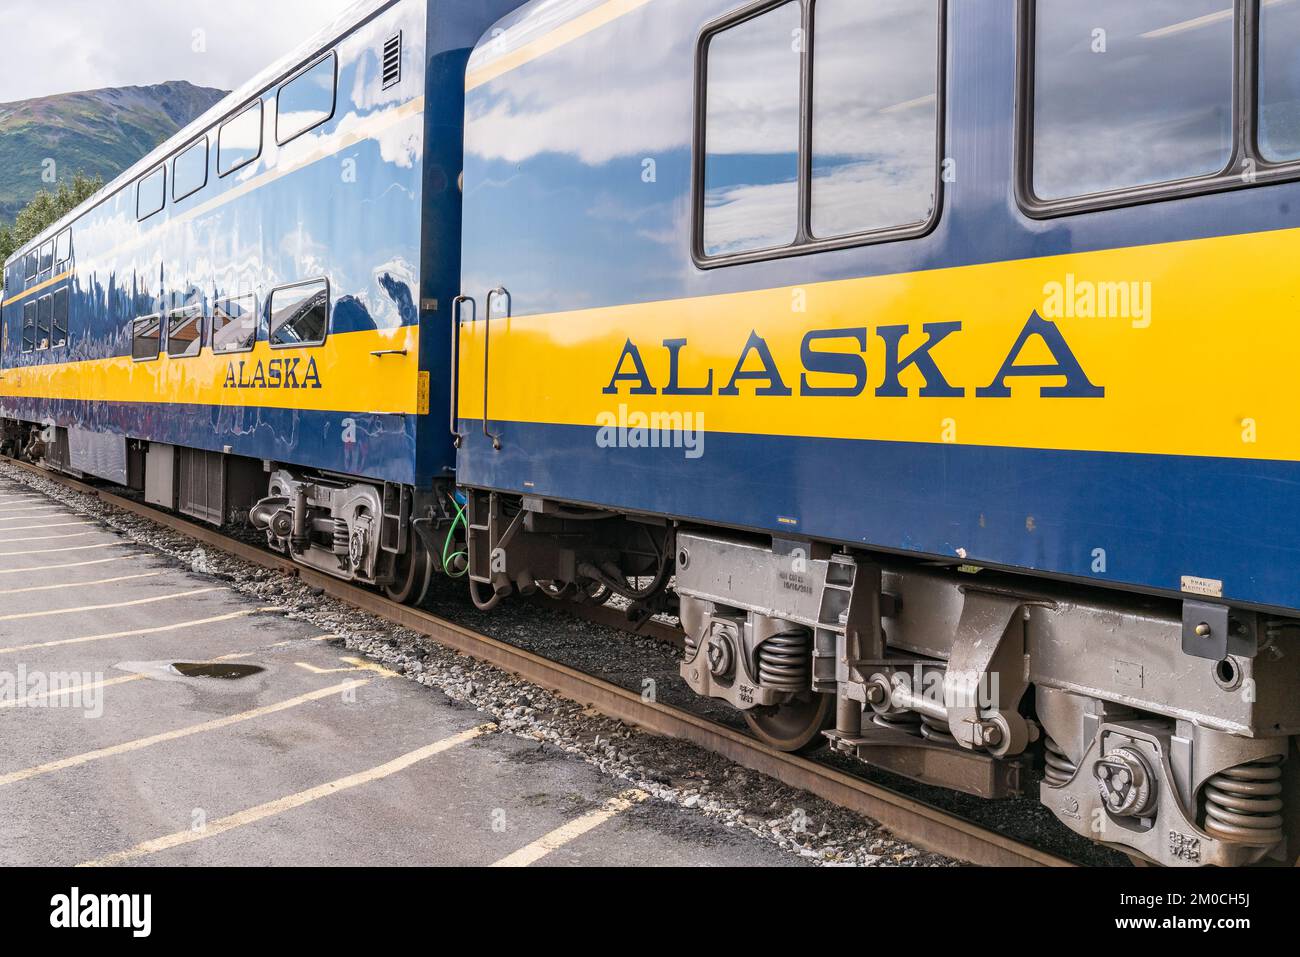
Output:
[[59, 46]]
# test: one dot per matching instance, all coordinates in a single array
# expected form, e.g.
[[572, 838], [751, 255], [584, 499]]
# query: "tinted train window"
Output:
[[751, 134], [44, 319], [874, 114], [239, 141], [234, 324], [146, 337], [33, 264], [63, 248], [185, 332], [190, 170], [306, 101], [1279, 81], [59, 333], [151, 193], [29, 326], [47, 257], [1130, 94], [300, 314]]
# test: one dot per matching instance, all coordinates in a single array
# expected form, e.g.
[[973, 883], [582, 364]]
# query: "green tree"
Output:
[[46, 209]]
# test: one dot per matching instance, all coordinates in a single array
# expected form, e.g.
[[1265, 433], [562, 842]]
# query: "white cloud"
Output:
[[62, 46]]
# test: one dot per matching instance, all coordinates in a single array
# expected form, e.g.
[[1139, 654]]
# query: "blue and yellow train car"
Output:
[[925, 343], [270, 286]]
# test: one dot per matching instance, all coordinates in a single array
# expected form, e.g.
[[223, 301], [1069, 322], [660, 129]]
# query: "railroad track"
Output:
[[908, 818]]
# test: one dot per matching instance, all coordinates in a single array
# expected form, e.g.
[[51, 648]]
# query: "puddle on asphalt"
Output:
[[222, 671], [209, 674]]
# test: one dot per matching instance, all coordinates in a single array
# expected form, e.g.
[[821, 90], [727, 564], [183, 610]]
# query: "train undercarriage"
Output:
[[1162, 728]]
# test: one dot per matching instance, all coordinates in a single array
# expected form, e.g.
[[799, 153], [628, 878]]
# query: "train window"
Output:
[[875, 106], [239, 141], [190, 170], [151, 193], [234, 324], [47, 257], [1279, 82], [63, 248], [300, 314], [307, 100], [751, 133], [146, 338], [33, 265], [185, 332], [29, 326], [44, 319], [59, 331], [1129, 95]]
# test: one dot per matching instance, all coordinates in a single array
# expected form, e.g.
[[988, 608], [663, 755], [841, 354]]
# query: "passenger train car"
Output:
[[928, 359], [269, 290]]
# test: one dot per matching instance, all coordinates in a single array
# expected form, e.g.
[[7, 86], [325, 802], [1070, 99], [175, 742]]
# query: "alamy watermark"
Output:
[[626, 429], [1085, 299], [52, 689]]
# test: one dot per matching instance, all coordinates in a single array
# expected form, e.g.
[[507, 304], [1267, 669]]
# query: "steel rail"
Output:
[[910, 820]]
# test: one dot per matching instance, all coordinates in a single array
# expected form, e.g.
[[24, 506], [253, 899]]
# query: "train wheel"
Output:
[[413, 573], [796, 726]]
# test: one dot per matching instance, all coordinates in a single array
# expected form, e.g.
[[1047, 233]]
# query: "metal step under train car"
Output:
[[928, 359]]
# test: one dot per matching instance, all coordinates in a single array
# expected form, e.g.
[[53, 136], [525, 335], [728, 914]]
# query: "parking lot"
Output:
[[152, 716]]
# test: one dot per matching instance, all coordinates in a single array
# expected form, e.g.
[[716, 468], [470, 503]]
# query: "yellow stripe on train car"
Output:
[[1201, 362], [341, 375]]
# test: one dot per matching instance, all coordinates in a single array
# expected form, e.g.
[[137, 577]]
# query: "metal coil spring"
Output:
[[906, 721], [1244, 803], [342, 537], [1059, 769], [785, 662], [936, 729], [692, 644]]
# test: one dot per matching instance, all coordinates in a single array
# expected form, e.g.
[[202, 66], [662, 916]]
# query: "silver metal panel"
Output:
[[97, 453], [160, 475], [201, 485]]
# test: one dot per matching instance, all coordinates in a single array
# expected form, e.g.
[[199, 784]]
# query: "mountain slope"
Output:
[[98, 132]]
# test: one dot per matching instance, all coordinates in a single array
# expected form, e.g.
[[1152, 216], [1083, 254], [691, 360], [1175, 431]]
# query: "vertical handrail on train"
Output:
[[499, 292], [456, 305]]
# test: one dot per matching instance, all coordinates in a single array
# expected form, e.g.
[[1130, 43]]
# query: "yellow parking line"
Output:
[[294, 641], [102, 581], [55, 568], [53, 551], [18, 514], [132, 632], [46, 538], [32, 699], [354, 664], [271, 808], [121, 604], [215, 724], [547, 843], [39, 528], [95, 686]]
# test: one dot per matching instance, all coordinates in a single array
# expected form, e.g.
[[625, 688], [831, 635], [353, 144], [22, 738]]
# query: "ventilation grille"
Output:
[[393, 61]]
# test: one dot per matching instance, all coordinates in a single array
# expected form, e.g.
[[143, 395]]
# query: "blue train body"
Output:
[[367, 200]]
